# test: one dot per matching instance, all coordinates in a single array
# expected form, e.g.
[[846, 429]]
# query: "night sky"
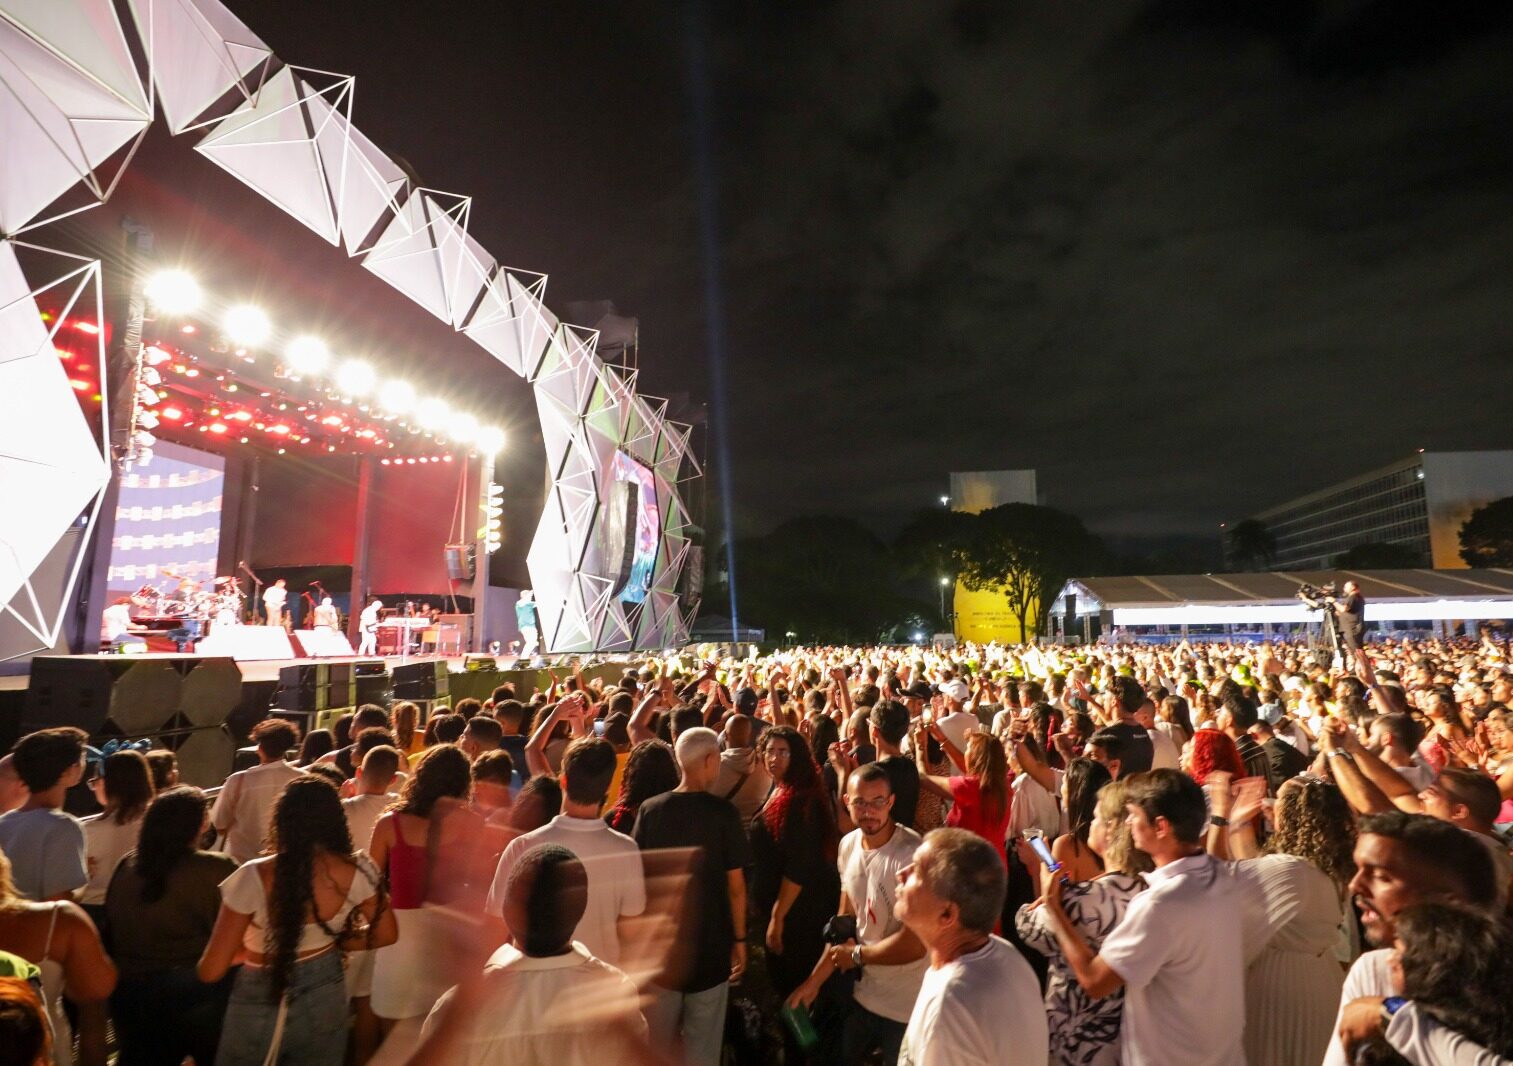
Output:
[[1184, 264]]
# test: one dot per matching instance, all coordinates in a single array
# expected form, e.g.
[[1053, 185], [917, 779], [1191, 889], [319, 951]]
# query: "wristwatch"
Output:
[[856, 956], [1340, 753], [1390, 1006], [1218, 820]]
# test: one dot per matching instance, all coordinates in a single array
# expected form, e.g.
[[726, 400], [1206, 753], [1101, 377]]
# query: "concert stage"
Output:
[[203, 707]]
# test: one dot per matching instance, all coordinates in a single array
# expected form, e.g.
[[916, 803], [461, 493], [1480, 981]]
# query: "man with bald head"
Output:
[[742, 779], [689, 997]]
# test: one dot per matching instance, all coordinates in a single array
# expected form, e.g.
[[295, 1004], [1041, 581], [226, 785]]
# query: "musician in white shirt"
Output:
[[326, 616], [273, 602], [367, 624]]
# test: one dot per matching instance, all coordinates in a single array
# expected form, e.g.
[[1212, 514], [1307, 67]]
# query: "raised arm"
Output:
[[535, 748]]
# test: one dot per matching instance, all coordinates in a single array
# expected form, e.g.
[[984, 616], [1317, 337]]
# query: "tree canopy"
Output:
[[1486, 538]]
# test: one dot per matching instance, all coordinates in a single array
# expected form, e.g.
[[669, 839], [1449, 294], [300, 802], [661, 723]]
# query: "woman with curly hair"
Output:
[[795, 884], [1212, 752], [287, 917], [430, 846], [650, 771], [1292, 988]]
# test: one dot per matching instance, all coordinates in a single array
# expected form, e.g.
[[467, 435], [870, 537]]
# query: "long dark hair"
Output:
[[170, 834], [823, 732], [128, 786], [1457, 966], [443, 772], [650, 770], [307, 819], [800, 788], [1084, 777]]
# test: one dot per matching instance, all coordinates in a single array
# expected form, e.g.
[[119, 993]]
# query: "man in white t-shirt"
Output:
[[367, 626], [1400, 860], [1164, 753], [244, 809], [957, 723], [616, 885], [979, 1001], [274, 597], [374, 779], [891, 959], [1179, 952]]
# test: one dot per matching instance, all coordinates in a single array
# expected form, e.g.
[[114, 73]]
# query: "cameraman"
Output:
[[888, 958], [1350, 613]]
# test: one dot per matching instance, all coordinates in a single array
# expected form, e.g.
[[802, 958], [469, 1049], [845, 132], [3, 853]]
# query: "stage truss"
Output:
[[73, 108]]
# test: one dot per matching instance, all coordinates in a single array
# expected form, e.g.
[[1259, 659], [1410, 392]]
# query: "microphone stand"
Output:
[[257, 591]]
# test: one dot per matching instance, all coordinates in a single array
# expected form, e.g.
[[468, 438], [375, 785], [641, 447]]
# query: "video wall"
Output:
[[648, 527], [168, 521]]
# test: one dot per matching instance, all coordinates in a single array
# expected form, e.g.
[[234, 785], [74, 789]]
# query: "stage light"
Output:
[[155, 356], [188, 327], [149, 376], [396, 397], [147, 419], [463, 428], [490, 440], [173, 292], [217, 427], [146, 396], [87, 327], [355, 378], [431, 413], [307, 355], [173, 414], [247, 326]]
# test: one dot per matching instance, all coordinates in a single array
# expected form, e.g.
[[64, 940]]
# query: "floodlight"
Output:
[[247, 326], [432, 413], [355, 378], [490, 440], [944, 582], [396, 397], [463, 428], [307, 355], [173, 292]]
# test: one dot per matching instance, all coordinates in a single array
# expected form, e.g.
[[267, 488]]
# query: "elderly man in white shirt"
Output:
[[1180, 951], [979, 1001], [244, 808], [543, 997], [958, 722]]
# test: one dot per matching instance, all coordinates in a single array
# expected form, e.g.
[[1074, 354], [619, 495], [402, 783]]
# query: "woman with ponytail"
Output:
[[288, 916], [796, 886]]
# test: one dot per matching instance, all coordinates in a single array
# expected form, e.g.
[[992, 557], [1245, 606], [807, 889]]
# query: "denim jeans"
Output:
[[315, 1024], [166, 1015], [699, 1017]]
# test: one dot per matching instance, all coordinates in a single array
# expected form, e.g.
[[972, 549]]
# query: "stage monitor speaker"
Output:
[[425, 679], [109, 696], [461, 561], [315, 686], [374, 688]]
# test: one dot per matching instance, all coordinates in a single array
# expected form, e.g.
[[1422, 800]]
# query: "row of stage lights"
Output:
[[175, 292]]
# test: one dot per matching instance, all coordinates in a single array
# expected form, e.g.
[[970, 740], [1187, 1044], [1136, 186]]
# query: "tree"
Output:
[[1378, 555], [1486, 538], [1030, 551], [1251, 545]]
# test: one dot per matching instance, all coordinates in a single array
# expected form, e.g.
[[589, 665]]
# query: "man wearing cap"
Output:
[[958, 722]]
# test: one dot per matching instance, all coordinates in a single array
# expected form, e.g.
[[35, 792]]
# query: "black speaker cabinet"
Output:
[[424, 679]]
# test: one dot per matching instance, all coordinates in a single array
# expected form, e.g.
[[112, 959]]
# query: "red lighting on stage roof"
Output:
[[82, 386], [280, 429], [191, 373], [217, 427], [173, 414], [446, 458], [331, 420], [423, 459], [243, 416], [384, 461], [87, 327]]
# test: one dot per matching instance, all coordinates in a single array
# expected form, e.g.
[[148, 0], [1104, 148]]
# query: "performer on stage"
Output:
[[326, 616], [273, 602], [367, 625], [525, 618], [1350, 612], [116, 627]]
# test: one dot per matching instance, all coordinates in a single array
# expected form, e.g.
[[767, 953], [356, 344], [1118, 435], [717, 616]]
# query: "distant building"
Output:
[[1418, 504], [984, 615]]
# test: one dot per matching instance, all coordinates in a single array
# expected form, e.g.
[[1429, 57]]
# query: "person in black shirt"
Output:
[[689, 996], [1350, 613], [1236, 719], [1287, 761], [890, 724], [1138, 752]]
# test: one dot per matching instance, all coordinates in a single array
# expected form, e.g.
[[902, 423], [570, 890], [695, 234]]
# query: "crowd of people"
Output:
[[1202, 853]]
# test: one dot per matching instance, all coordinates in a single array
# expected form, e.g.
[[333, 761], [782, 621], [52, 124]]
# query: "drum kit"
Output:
[[191, 601]]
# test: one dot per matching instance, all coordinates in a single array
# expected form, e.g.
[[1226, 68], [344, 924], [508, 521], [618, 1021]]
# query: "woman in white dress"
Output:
[[123, 786], [1292, 988], [1085, 1031]]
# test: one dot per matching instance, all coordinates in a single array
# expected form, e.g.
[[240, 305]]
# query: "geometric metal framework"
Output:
[[71, 99]]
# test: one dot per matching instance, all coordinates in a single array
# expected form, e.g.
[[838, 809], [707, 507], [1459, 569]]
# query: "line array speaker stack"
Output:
[[178, 702], [425, 679], [315, 686], [372, 678]]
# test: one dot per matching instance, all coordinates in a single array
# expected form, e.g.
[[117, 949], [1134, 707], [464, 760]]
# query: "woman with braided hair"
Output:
[[287, 916]]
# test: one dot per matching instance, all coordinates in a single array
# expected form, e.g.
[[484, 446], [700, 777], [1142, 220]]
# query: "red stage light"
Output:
[[384, 461], [217, 427], [331, 420], [423, 459], [446, 458], [280, 429], [87, 327], [173, 414], [82, 386], [191, 373]]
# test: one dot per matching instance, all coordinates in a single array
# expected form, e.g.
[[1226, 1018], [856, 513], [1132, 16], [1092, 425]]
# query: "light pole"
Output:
[[945, 583]]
